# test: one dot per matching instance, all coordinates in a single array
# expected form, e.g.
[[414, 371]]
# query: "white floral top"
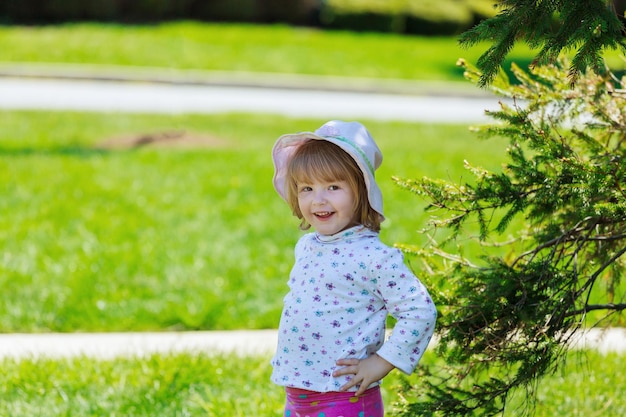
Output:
[[342, 287]]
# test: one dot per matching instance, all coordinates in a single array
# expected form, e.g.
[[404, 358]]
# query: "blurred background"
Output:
[[424, 17]]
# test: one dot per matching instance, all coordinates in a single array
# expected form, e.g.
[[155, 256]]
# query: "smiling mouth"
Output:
[[324, 214]]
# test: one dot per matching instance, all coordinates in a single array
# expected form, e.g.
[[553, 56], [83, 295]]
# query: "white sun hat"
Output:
[[352, 137]]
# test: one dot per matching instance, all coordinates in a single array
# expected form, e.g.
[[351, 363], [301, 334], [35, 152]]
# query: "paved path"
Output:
[[255, 342], [122, 96], [108, 345]]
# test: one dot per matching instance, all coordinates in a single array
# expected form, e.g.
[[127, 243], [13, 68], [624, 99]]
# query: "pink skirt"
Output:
[[303, 403]]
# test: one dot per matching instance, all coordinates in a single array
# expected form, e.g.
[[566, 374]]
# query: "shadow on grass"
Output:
[[69, 151]]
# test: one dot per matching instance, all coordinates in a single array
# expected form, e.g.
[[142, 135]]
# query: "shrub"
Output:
[[428, 17], [424, 17]]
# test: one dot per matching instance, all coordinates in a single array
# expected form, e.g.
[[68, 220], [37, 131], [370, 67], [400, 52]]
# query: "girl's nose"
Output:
[[319, 197]]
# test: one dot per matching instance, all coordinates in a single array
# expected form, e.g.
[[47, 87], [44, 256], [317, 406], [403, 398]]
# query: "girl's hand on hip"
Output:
[[365, 371]]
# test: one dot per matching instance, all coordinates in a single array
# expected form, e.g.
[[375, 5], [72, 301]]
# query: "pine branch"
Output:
[[596, 307], [590, 27]]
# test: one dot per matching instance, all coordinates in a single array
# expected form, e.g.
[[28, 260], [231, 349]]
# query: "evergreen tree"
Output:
[[587, 26], [558, 205], [508, 319]]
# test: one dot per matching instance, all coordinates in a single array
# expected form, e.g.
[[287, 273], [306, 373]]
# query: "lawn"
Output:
[[277, 49], [101, 238], [215, 386], [237, 47]]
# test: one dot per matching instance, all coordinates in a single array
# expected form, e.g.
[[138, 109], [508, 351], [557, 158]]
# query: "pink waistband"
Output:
[[303, 394]]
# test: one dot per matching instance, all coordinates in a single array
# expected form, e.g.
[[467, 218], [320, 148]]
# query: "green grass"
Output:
[[159, 385], [188, 384], [237, 47], [166, 238], [251, 48]]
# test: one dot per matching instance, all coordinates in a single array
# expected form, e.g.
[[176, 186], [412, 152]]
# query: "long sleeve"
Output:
[[407, 300]]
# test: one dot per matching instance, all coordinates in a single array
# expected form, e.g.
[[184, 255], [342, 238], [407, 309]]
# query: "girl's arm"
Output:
[[407, 300]]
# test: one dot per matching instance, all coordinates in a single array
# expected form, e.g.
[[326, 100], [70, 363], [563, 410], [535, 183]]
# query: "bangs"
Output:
[[310, 164]]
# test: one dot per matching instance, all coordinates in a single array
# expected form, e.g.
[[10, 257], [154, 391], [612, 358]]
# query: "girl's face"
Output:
[[327, 206]]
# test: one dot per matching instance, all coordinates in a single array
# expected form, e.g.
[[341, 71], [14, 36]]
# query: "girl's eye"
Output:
[[305, 188], [333, 187]]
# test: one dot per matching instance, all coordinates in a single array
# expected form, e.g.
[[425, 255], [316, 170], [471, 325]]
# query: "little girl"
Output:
[[332, 353]]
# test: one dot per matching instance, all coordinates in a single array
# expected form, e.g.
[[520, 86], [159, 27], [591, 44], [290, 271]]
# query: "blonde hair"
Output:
[[324, 161]]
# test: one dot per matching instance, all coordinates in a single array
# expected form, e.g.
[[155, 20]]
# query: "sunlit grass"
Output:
[[172, 238], [240, 47], [159, 385], [218, 385], [252, 48]]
